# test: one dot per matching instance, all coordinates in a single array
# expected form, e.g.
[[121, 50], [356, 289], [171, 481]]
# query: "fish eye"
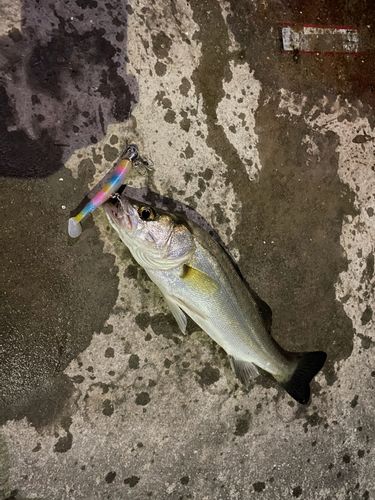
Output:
[[146, 213]]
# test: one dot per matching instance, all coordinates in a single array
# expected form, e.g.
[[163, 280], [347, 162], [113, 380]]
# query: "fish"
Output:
[[198, 278]]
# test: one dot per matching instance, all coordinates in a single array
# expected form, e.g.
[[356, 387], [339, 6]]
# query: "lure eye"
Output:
[[146, 213]]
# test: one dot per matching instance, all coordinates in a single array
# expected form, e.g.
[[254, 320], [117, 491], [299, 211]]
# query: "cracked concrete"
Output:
[[101, 395]]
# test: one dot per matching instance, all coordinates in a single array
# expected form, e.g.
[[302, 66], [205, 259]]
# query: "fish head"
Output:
[[157, 239]]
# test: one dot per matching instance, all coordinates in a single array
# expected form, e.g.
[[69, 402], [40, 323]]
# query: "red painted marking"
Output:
[[325, 53], [318, 26]]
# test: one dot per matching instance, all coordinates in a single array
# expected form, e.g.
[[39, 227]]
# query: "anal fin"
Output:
[[244, 370], [179, 316]]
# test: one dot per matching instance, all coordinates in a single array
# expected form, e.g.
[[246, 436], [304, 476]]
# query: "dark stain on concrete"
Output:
[[369, 271], [302, 257], [161, 44], [189, 152], [59, 49], [109, 352], [166, 103], [20, 155], [110, 153], [366, 316], [42, 405], [53, 303], [134, 362], [354, 401], [131, 272], [108, 408], [160, 68], [142, 399], [185, 86], [208, 77], [86, 171], [185, 123], [312, 420], [170, 116], [132, 481], [243, 424], [15, 34], [184, 480], [84, 4], [65, 442], [366, 341], [188, 176], [208, 375], [37, 448], [104, 387], [110, 477], [207, 174], [167, 363], [201, 185], [297, 491], [160, 95], [162, 324], [259, 486]]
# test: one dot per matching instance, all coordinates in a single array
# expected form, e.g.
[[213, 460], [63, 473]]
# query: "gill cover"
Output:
[[163, 250], [156, 240]]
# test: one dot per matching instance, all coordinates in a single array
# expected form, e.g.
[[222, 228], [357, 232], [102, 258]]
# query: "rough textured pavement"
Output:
[[101, 395]]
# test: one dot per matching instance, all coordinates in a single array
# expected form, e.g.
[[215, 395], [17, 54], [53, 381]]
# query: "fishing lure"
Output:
[[130, 158]]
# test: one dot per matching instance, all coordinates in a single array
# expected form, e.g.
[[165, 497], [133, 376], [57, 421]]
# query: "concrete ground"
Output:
[[101, 395]]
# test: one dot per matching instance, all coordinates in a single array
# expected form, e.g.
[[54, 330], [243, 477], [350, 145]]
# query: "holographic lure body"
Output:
[[115, 182]]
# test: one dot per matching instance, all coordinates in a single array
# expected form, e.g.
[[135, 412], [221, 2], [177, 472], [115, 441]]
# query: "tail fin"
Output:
[[308, 366]]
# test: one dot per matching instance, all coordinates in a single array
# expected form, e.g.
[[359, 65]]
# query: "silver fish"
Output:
[[198, 278]]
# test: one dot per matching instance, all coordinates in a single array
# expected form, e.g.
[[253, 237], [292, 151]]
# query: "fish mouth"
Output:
[[119, 212]]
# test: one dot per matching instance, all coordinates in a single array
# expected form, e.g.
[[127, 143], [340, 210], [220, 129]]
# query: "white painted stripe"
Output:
[[320, 39]]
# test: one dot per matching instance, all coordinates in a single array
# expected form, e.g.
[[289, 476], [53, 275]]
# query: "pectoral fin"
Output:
[[177, 313], [198, 280], [244, 370]]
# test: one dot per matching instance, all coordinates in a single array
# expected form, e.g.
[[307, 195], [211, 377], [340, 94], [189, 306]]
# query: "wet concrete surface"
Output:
[[54, 300], [100, 394]]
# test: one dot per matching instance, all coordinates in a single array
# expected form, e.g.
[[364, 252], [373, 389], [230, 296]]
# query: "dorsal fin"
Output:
[[264, 310]]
